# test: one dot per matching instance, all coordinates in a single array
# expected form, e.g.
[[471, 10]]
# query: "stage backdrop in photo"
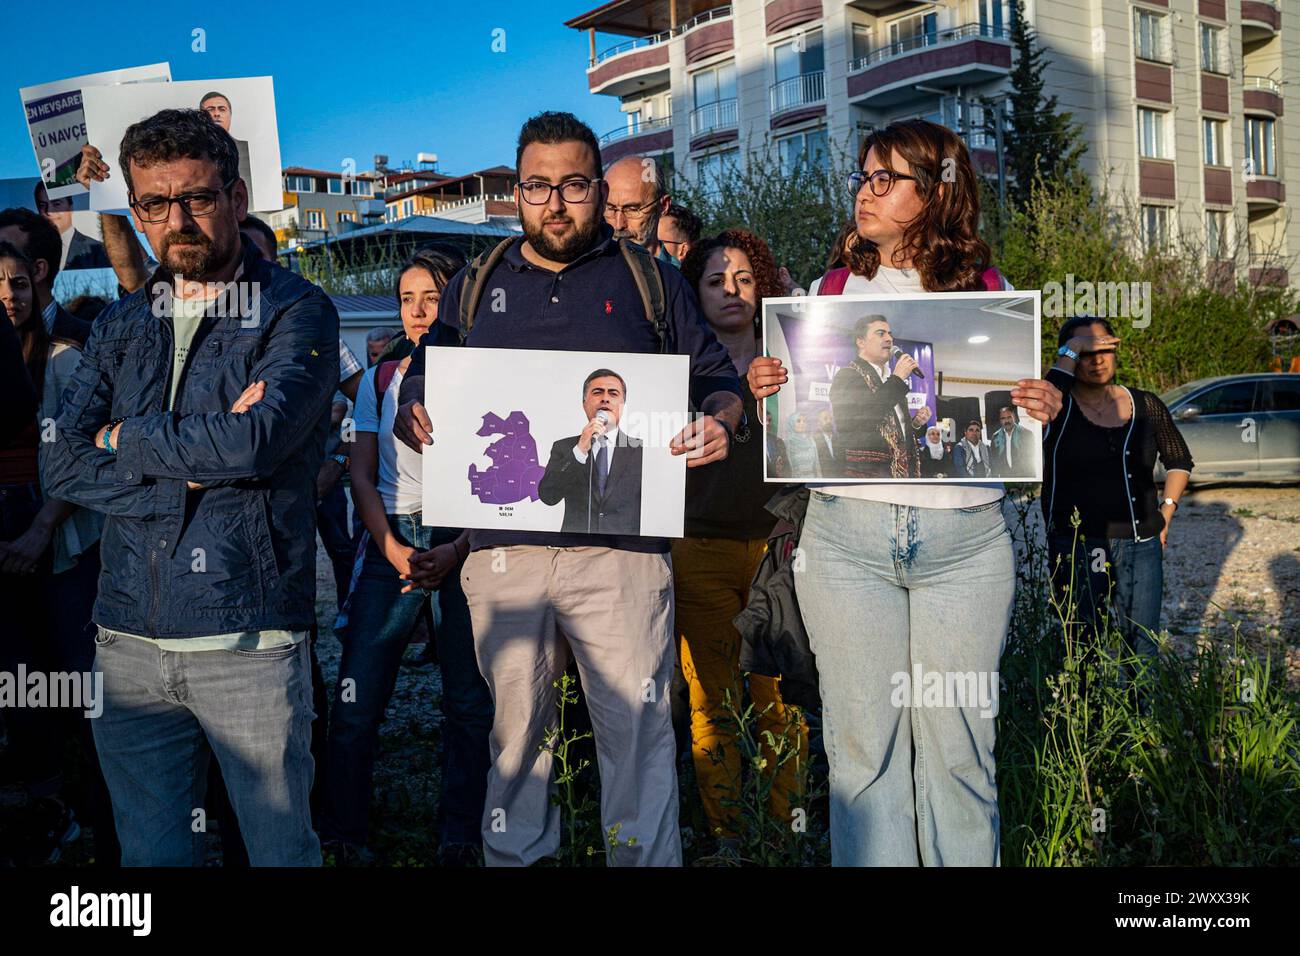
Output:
[[248, 113], [57, 122], [970, 347], [500, 415]]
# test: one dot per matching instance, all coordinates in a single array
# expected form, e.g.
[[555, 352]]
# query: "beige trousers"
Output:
[[613, 610]]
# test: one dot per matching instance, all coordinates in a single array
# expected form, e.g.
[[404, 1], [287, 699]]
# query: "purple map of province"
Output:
[[514, 472]]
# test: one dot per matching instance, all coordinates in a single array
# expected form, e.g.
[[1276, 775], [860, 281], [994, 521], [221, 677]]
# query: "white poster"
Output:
[[536, 440], [887, 388], [244, 107], [57, 122]]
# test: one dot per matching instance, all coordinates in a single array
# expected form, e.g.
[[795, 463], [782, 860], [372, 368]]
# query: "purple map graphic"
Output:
[[514, 472]]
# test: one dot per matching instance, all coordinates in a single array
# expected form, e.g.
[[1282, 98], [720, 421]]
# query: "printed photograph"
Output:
[[536, 440], [244, 107], [898, 388], [57, 122]]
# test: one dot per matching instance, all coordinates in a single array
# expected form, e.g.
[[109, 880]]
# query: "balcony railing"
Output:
[[636, 129], [1265, 83], [799, 90], [714, 116], [634, 44], [925, 40], [717, 13]]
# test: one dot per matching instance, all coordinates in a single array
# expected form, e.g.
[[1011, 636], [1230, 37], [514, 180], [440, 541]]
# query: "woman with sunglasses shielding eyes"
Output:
[[906, 578]]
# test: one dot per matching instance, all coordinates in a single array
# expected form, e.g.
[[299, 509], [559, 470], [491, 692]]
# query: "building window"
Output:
[[300, 184], [1155, 227], [712, 169], [807, 147], [992, 17], [363, 187], [913, 32], [1216, 234], [408, 205], [1153, 142], [1150, 35], [798, 57], [336, 186], [861, 42], [1261, 158], [347, 217], [315, 219], [715, 99], [1213, 136], [1214, 52]]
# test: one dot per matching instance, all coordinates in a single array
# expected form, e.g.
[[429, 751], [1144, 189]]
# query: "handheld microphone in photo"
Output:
[[602, 416], [895, 352]]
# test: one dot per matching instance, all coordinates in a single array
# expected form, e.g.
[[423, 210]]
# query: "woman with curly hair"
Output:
[[904, 580], [726, 537]]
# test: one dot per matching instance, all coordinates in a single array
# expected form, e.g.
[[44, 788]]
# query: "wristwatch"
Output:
[[343, 461], [1169, 501], [1068, 352]]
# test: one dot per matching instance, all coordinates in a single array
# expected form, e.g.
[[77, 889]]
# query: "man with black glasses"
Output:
[[569, 284], [636, 201], [196, 422]]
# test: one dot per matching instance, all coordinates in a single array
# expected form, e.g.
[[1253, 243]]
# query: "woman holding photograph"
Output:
[[903, 581], [726, 536], [405, 563]]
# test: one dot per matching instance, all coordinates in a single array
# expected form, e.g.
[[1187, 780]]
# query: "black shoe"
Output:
[[55, 827], [425, 659]]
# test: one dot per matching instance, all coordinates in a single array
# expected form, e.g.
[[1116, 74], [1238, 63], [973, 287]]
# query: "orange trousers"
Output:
[[711, 579]]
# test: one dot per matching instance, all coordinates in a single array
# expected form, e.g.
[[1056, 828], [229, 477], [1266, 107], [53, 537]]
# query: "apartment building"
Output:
[[480, 196], [320, 203], [1183, 102]]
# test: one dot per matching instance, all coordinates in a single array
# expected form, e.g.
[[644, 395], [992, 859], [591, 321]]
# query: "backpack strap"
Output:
[[471, 286], [833, 282], [993, 281], [650, 285], [384, 373]]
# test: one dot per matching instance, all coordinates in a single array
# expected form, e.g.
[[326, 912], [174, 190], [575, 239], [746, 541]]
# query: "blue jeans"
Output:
[[1117, 578], [379, 625], [167, 712], [335, 535], [896, 598]]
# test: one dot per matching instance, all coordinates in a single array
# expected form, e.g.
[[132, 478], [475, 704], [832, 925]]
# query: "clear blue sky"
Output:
[[351, 79]]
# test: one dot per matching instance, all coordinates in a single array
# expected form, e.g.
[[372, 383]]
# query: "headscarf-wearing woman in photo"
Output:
[[726, 536], [905, 579]]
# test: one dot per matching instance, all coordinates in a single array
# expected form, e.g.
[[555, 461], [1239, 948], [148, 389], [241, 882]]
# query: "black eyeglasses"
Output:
[[200, 203], [631, 212], [882, 181], [537, 193]]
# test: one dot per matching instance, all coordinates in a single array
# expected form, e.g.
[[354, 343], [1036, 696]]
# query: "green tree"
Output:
[[1040, 139]]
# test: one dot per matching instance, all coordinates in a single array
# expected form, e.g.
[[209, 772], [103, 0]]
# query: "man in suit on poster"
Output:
[[601, 491]]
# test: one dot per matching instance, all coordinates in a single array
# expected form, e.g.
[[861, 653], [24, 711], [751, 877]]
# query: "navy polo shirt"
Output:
[[591, 305]]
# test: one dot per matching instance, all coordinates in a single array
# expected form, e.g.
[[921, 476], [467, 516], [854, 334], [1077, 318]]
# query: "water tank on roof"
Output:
[[427, 160]]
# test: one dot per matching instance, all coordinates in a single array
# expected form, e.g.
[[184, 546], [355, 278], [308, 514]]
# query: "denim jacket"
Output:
[[239, 553]]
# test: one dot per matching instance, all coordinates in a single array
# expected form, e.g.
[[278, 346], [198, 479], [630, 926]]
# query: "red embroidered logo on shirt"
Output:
[[609, 306]]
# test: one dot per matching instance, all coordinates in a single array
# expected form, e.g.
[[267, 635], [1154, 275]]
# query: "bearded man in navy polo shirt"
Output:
[[608, 599]]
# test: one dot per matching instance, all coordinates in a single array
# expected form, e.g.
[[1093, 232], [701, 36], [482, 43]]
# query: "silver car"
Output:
[[1239, 427]]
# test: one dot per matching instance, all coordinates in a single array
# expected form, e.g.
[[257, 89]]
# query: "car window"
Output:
[[1235, 398], [1286, 395]]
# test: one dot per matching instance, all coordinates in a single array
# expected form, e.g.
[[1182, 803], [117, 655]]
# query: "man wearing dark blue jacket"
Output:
[[196, 422]]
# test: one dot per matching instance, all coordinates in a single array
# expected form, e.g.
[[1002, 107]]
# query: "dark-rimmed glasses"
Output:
[[882, 181], [537, 193], [197, 204]]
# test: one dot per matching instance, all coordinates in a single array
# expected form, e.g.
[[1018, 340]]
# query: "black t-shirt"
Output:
[[726, 499]]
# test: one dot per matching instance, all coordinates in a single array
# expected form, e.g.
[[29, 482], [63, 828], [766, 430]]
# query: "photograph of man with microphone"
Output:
[[901, 386], [869, 406], [601, 492]]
